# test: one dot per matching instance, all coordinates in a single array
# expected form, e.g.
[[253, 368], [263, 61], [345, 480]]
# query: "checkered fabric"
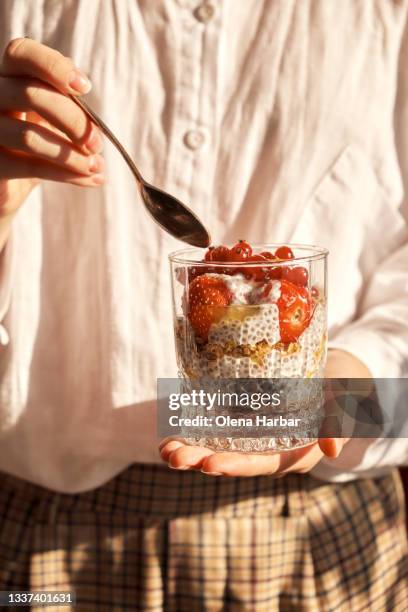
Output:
[[156, 539]]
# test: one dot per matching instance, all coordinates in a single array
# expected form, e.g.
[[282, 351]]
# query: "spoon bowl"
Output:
[[174, 216]]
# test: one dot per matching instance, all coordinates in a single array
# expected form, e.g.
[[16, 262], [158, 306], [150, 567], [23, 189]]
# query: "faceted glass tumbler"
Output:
[[274, 328]]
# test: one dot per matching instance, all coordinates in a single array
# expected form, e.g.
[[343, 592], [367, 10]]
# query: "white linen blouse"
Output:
[[276, 120]]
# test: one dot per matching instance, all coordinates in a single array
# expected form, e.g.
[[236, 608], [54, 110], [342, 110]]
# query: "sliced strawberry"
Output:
[[208, 290], [294, 311], [207, 298], [202, 317]]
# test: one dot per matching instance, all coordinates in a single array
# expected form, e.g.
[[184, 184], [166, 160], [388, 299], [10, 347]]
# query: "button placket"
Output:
[[204, 12], [194, 139], [189, 169], [202, 185]]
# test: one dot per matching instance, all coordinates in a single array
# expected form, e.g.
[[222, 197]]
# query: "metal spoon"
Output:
[[171, 214]]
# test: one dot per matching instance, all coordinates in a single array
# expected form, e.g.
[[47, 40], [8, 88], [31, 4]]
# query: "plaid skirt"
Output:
[[156, 539]]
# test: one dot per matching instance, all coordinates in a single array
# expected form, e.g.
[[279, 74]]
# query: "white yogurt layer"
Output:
[[245, 291], [238, 285], [273, 292]]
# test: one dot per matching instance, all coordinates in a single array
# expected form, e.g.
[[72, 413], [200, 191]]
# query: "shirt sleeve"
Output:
[[379, 336], [5, 287]]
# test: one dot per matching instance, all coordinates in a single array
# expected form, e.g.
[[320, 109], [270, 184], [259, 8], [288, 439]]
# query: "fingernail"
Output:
[[94, 143], [212, 473], [96, 164], [98, 179], [80, 82], [180, 467]]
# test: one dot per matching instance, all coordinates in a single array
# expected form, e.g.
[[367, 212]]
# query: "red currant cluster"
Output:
[[241, 253]]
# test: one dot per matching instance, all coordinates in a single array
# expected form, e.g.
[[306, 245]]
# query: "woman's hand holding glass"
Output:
[[178, 455]]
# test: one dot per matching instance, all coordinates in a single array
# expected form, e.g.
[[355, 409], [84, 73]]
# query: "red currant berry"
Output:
[[298, 276], [255, 272], [220, 254], [314, 292], [273, 273], [284, 252], [240, 251], [197, 271], [229, 270], [268, 255]]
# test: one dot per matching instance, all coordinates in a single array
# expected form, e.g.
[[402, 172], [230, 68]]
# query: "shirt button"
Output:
[[204, 12], [194, 139]]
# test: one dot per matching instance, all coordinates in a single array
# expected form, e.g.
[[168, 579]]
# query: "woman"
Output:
[[275, 121]]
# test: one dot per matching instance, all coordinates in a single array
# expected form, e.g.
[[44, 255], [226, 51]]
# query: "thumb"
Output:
[[332, 447]]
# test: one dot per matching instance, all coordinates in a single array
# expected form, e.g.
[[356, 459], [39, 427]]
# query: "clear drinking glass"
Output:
[[274, 328]]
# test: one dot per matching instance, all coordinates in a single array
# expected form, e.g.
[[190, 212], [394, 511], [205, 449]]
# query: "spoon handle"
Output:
[[102, 125]]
